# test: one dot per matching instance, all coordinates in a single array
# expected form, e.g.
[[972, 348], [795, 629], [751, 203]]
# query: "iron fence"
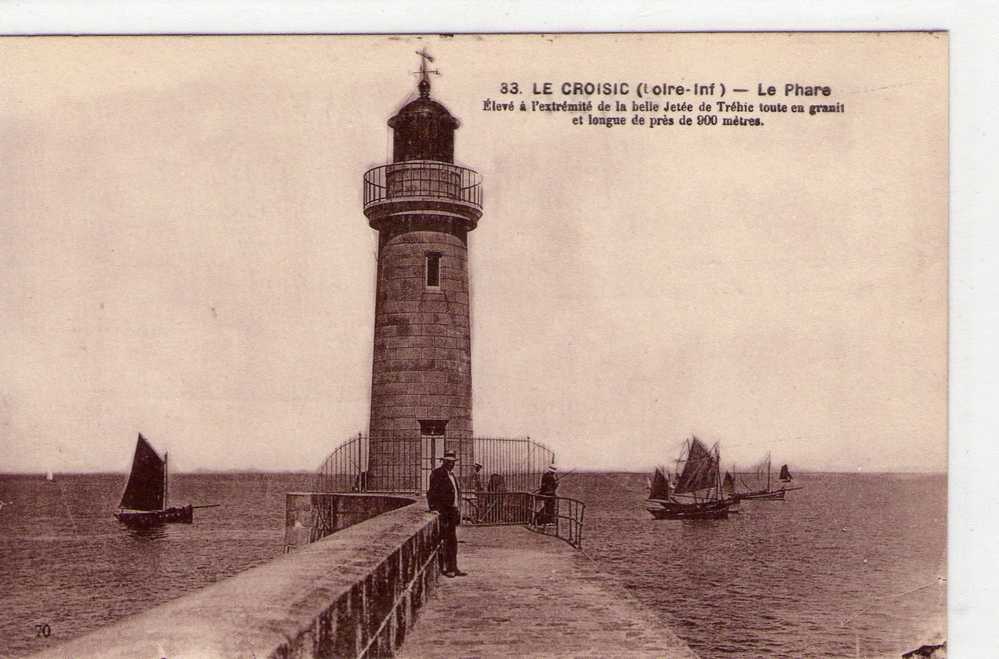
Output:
[[497, 508], [502, 492], [401, 461], [511, 465], [346, 468]]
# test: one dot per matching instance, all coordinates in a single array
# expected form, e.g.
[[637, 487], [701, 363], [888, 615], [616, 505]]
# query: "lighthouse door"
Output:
[[432, 449]]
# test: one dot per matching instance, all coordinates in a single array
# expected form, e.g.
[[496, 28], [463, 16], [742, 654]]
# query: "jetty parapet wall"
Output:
[[311, 516], [355, 592]]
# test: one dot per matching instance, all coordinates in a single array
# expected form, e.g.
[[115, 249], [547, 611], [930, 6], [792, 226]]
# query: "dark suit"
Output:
[[549, 488], [441, 497]]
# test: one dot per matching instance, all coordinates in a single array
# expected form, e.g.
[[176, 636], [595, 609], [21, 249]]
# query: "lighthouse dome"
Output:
[[423, 130]]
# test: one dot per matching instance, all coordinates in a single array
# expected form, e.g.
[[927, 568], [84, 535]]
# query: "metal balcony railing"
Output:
[[561, 517], [422, 178]]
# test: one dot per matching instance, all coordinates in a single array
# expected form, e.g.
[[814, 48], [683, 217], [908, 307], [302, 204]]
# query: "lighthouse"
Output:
[[423, 206]]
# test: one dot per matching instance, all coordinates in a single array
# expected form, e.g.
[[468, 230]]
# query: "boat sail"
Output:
[[696, 493], [659, 487], [785, 474], [144, 502]]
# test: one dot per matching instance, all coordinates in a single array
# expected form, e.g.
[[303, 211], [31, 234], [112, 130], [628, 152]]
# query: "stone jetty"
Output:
[[531, 595]]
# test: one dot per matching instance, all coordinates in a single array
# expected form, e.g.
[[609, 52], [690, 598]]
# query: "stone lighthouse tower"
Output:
[[422, 205]]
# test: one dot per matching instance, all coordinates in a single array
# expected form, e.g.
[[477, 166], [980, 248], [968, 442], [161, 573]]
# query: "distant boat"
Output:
[[144, 502], [760, 491], [697, 493], [50, 477]]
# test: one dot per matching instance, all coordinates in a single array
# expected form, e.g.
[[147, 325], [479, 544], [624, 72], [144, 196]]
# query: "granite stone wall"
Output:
[[422, 350]]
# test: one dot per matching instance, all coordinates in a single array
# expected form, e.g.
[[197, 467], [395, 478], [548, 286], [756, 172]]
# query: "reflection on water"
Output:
[[149, 533]]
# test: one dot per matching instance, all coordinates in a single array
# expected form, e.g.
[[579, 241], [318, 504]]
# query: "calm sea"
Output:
[[849, 566], [846, 567]]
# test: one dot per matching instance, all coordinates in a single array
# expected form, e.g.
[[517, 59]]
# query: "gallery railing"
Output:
[[422, 178]]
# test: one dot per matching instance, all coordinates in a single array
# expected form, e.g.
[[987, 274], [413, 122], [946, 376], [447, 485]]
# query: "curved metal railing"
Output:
[[561, 517], [422, 178], [346, 468]]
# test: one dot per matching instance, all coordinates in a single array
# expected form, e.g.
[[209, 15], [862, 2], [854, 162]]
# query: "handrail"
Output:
[[561, 517]]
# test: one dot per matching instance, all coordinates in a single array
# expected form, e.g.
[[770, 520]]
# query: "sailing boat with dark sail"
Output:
[[144, 502], [659, 486], [697, 491]]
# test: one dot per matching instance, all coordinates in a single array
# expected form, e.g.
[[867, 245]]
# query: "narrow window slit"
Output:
[[433, 270]]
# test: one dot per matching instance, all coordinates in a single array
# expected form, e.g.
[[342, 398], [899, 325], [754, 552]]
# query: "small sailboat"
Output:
[[760, 492], [49, 476], [144, 502], [697, 491]]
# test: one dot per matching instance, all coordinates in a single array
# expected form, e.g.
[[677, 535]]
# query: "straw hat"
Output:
[[477, 464], [552, 468], [450, 455]]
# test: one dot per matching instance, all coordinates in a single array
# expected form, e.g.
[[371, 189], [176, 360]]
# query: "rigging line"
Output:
[[611, 479], [937, 582], [69, 513], [100, 538]]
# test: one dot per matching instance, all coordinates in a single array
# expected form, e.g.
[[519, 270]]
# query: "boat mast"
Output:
[[166, 479], [768, 471], [718, 483]]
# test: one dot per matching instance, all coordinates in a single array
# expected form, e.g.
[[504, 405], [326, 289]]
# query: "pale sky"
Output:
[[186, 254]]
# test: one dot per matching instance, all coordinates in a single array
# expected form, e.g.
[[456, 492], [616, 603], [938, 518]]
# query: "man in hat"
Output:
[[549, 486], [473, 487], [476, 480], [444, 498]]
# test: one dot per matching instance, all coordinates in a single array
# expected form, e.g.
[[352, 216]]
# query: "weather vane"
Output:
[[424, 72]]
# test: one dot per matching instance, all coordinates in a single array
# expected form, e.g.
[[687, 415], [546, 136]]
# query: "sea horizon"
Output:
[[201, 471]]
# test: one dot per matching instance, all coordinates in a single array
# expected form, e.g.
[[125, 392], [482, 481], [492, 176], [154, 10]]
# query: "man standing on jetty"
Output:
[[548, 490], [444, 498]]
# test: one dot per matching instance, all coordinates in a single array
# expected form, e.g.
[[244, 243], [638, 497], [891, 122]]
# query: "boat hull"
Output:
[[775, 495], [768, 495], [146, 518], [676, 510]]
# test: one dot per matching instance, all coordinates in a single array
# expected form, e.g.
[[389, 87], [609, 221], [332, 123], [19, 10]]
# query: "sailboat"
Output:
[[49, 476], [145, 498], [767, 493], [697, 493]]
